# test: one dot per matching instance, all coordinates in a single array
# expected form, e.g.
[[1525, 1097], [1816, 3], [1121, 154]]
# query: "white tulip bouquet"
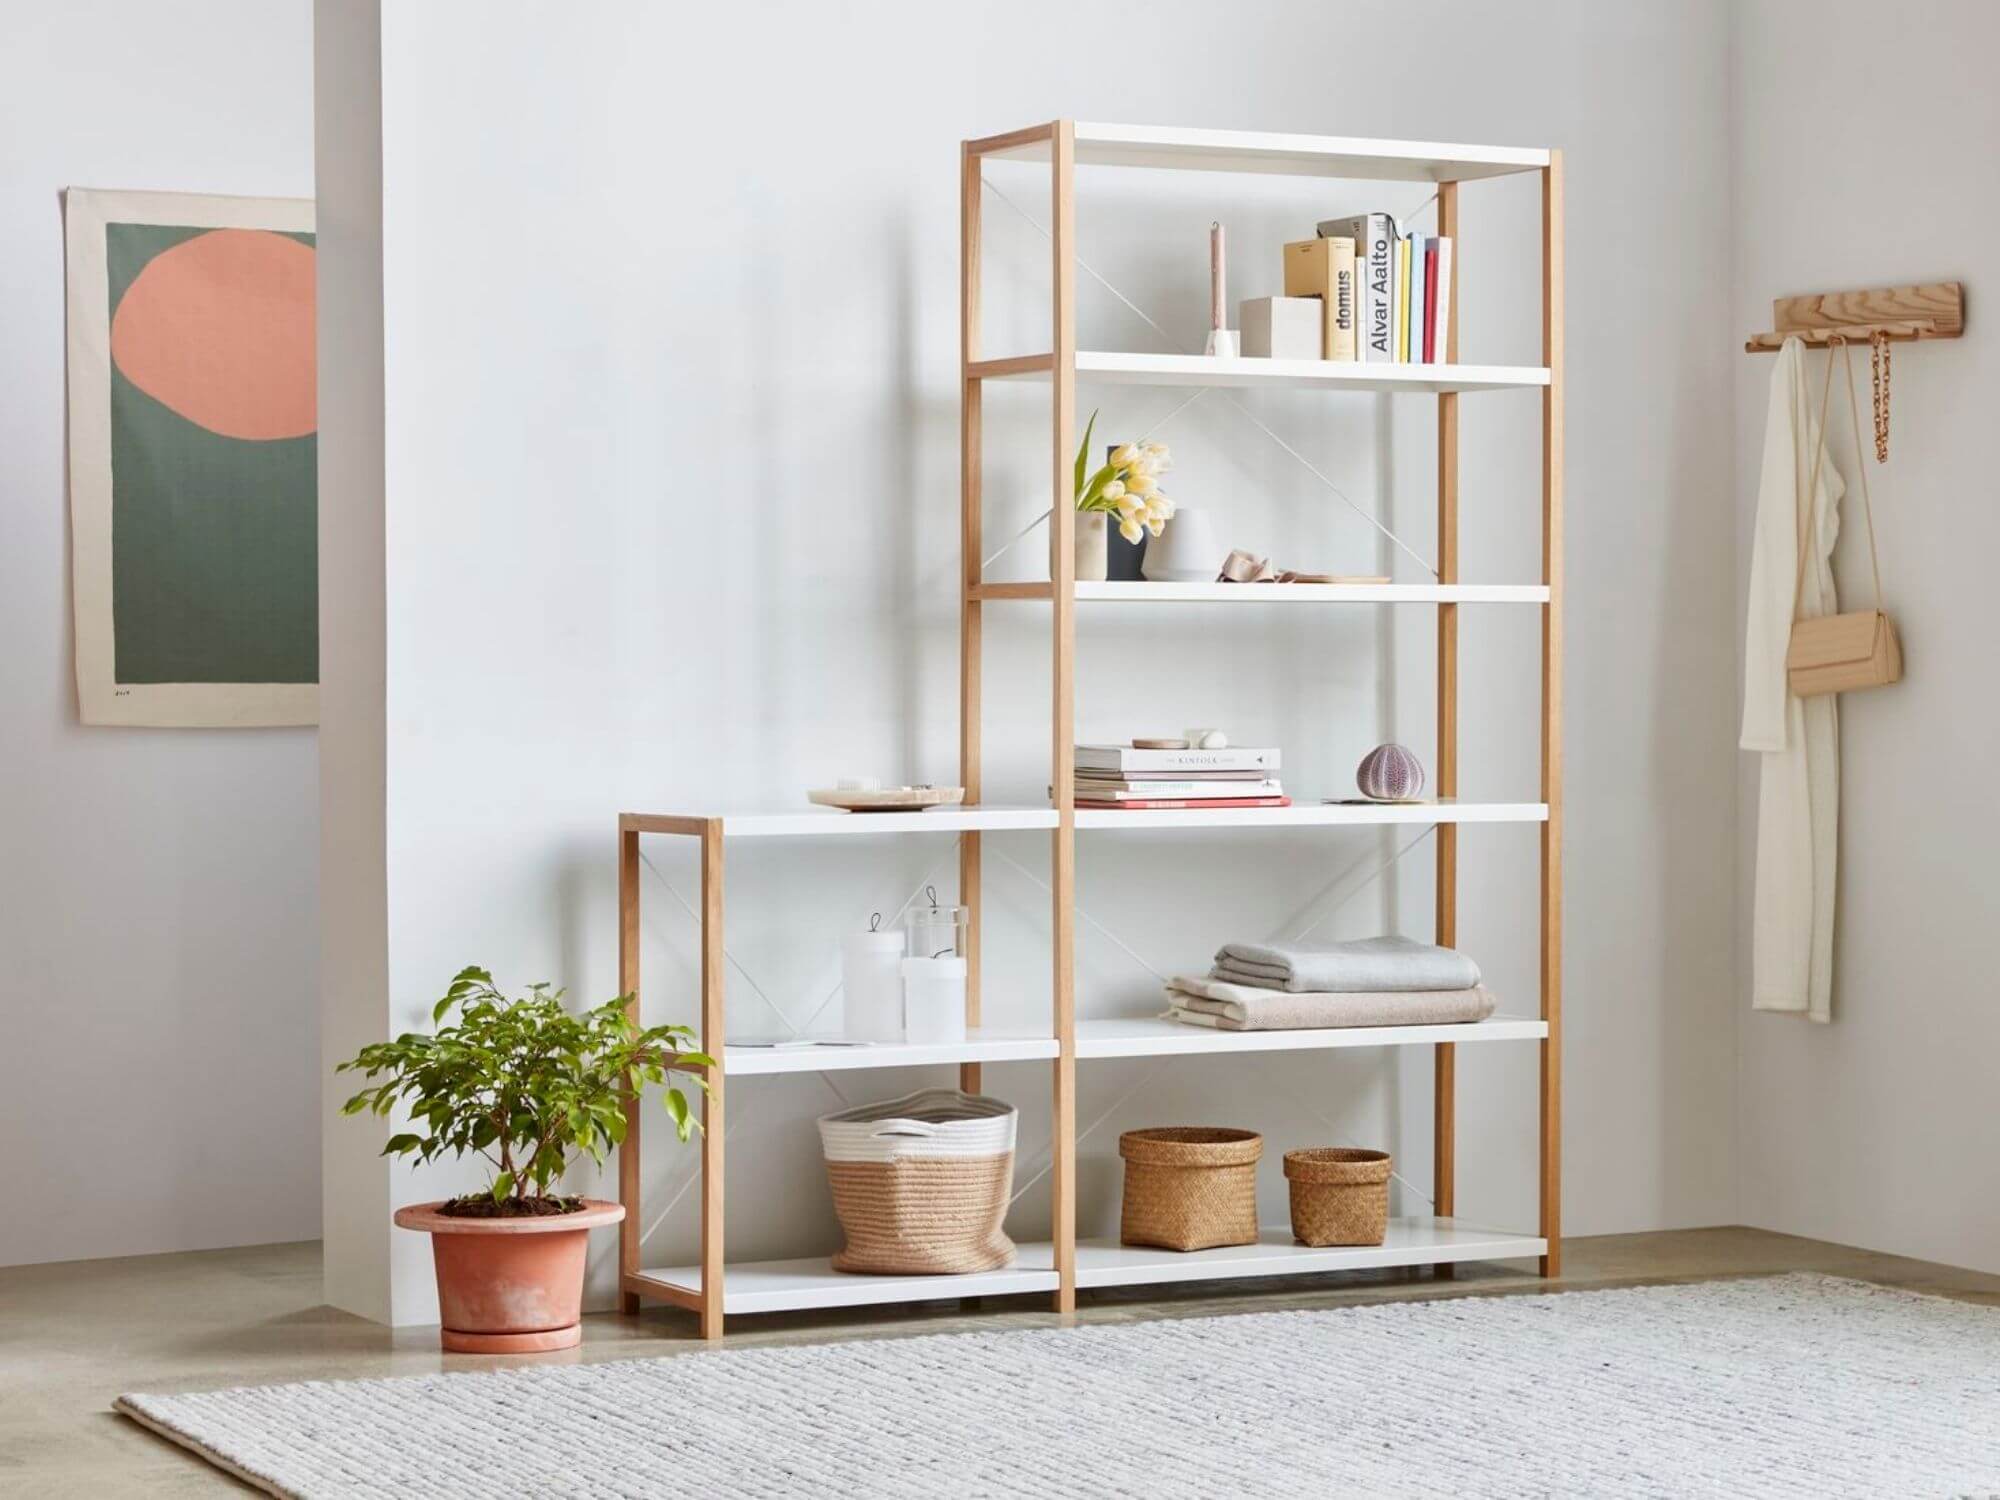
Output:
[[1127, 486]]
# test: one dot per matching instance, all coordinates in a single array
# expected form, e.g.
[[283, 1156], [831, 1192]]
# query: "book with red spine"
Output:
[[1430, 301]]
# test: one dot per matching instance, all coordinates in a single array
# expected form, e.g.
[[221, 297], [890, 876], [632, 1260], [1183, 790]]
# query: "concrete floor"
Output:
[[74, 1335]]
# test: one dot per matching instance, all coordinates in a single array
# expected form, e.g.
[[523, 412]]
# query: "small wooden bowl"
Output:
[[888, 798]]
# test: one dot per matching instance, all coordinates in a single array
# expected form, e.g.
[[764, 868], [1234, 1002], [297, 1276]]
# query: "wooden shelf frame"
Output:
[[1060, 1265]]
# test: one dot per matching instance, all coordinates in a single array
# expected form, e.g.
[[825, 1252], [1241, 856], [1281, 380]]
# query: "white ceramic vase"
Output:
[[1186, 551], [1092, 531]]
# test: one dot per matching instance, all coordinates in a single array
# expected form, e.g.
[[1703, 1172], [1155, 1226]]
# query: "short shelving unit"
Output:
[[1059, 1266]]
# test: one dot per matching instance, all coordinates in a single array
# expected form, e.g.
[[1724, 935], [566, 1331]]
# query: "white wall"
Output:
[[669, 459], [1880, 1129], [158, 934]]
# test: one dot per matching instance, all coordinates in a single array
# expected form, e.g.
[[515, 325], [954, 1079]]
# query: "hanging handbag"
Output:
[[1859, 649]]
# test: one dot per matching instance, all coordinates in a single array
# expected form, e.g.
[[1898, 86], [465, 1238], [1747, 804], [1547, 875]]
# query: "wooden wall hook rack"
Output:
[[1934, 310]]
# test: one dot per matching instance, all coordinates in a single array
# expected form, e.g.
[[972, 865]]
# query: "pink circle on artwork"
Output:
[[219, 329]]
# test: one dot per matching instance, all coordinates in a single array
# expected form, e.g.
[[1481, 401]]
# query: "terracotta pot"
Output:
[[510, 1286]]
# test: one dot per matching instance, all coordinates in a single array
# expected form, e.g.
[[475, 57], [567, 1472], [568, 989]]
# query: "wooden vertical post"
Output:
[[1062, 758], [1445, 1092], [712, 1042], [1552, 575], [629, 1192], [971, 545]]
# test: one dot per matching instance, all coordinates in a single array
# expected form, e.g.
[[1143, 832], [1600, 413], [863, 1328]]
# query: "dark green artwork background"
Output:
[[214, 540]]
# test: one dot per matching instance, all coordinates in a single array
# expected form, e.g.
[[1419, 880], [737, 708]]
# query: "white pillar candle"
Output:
[[872, 986], [934, 999]]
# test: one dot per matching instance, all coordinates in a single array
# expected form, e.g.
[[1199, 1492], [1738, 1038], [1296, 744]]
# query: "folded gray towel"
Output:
[[1376, 965], [1235, 1007]]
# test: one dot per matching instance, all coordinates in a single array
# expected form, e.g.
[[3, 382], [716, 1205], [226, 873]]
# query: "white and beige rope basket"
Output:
[[921, 1183]]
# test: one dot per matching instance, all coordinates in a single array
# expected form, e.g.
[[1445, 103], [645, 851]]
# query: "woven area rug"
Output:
[[1791, 1386]]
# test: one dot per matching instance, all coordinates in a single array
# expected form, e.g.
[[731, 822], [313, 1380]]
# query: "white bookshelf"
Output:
[[1271, 593], [716, 1288], [765, 1286], [1110, 367], [1307, 814], [761, 1286], [1106, 1037], [1311, 593], [1304, 813], [983, 1044], [1151, 1037], [1178, 149]]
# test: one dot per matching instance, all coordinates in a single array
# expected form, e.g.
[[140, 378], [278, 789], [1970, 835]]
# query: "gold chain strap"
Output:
[[1880, 370]]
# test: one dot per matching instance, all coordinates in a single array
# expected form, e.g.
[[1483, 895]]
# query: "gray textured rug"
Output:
[[1791, 1386]]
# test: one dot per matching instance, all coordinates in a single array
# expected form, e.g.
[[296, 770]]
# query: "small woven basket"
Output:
[[1189, 1187], [1340, 1195]]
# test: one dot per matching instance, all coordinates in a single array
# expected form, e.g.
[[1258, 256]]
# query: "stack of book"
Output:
[[1122, 776], [1386, 294]]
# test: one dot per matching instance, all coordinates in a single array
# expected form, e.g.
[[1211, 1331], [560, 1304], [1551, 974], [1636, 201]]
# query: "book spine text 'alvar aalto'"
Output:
[[1375, 249]]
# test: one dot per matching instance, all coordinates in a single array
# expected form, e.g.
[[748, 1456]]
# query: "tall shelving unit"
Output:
[[714, 1288]]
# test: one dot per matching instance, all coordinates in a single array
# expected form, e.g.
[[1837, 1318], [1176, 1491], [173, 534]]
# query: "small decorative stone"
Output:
[[1207, 739], [1390, 773]]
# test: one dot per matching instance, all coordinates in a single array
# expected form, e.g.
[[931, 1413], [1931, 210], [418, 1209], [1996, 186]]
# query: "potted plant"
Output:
[[1125, 486], [529, 1086]]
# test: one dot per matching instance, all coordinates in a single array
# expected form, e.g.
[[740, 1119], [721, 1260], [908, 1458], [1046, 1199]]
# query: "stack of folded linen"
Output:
[[1382, 981]]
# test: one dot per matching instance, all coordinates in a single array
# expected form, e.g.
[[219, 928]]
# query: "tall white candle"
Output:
[[1215, 278]]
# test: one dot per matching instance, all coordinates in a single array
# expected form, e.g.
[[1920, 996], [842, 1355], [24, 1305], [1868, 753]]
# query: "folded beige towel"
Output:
[[1372, 964], [1239, 1007]]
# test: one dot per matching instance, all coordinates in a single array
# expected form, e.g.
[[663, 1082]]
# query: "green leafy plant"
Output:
[[1127, 486], [524, 1083]]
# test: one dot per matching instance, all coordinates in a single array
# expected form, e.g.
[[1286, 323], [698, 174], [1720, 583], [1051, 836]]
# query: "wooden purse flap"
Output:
[[1831, 640]]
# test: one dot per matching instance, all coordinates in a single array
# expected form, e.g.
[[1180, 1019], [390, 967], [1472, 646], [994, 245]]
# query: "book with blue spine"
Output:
[[1420, 250]]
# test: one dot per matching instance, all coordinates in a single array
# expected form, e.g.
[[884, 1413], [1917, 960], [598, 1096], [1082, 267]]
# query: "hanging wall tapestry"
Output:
[[193, 459]]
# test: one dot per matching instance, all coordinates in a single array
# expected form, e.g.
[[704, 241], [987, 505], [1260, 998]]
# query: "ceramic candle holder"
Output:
[[934, 999], [871, 982], [1186, 551]]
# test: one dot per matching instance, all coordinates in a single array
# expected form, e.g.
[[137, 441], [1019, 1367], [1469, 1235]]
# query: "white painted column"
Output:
[[354, 952]]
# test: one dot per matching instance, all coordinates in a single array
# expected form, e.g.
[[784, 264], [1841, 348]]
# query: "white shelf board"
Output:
[[832, 821], [985, 1044], [1313, 593], [1123, 368], [1409, 1242], [1169, 147], [779, 1285], [776, 1285], [1151, 1037], [1311, 815]]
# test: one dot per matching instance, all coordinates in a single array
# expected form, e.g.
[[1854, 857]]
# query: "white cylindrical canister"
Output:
[[872, 985], [934, 999]]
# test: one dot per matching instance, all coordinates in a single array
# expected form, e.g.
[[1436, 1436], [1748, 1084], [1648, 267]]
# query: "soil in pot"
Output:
[[482, 1206]]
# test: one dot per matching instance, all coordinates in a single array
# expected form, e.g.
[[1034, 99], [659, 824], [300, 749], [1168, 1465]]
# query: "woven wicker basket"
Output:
[[1189, 1187], [1340, 1195], [921, 1183]]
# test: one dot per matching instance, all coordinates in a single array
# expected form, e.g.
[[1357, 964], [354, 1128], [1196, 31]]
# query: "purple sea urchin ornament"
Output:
[[1390, 773]]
